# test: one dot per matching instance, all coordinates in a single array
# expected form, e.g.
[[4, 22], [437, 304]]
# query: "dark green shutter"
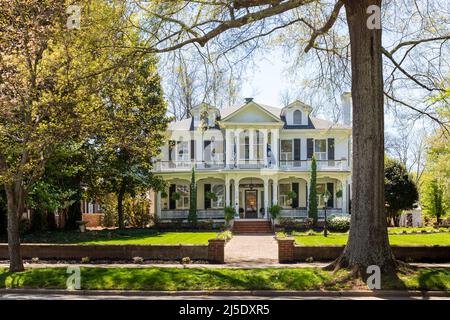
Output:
[[172, 203], [207, 201], [330, 148], [295, 188], [310, 148], [297, 146], [330, 188], [171, 144], [192, 149]]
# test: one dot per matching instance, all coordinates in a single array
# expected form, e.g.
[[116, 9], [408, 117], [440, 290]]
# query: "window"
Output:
[[244, 145], [183, 202], [182, 150], [219, 190], [320, 149], [283, 201], [258, 144], [286, 150], [297, 117]]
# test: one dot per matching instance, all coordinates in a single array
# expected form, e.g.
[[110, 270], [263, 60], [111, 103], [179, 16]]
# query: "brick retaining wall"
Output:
[[94, 219], [288, 251], [114, 252]]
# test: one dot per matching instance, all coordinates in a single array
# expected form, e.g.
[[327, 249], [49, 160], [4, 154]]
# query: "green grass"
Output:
[[129, 236], [93, 278], [401, 240]]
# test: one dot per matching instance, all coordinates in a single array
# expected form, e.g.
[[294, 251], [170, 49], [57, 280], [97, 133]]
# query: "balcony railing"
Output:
[[302, 213], [183, 214], [288, 165], [305, 165]]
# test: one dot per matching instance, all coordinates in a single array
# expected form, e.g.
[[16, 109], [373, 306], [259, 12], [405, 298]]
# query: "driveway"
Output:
[[251, 249]]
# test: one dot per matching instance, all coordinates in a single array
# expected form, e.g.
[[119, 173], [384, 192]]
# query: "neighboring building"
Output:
[[252, 156]]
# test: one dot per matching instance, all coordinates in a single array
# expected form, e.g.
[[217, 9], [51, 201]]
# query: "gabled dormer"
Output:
[[206, 112], [296, 114]]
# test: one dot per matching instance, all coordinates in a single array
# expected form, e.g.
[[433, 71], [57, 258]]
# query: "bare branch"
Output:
[[328, 25]]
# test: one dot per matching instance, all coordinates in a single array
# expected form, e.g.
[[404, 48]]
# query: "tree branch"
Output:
[[328, 25]]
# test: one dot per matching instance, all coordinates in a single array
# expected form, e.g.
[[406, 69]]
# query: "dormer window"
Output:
[[297, 117]]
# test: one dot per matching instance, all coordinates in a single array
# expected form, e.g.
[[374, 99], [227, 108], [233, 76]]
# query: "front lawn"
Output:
[[93, 278], [401, 240], [128, 236]]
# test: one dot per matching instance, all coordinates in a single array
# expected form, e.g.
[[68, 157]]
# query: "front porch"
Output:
[[250, 196]]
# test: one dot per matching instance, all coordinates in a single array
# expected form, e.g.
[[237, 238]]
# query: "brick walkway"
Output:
[[251, 249]]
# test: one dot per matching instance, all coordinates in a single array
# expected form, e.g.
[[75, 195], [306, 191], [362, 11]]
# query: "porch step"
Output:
[[252, 226]]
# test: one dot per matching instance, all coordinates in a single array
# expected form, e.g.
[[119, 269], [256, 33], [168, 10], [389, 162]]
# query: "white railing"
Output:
[[218, 163], [294, 213], [183, 214], [303, 213], [305, 165]]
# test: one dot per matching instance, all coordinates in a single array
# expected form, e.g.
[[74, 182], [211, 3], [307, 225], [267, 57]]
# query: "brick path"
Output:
[[251, 249]]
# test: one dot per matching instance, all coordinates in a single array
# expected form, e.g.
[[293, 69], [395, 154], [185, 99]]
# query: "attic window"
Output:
[[297, 117]]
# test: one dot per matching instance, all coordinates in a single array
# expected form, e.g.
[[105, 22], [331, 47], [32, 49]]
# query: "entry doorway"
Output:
[[251, 204]]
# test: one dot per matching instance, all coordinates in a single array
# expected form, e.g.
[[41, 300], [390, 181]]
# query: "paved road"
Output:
[[12, 296]]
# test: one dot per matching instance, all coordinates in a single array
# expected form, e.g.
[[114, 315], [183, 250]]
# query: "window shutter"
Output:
[[330, 188], [330, 148], [297, 145], [309, 148], [207, 201], [192, 149], [295, 188], [172, 203], [171, 144]]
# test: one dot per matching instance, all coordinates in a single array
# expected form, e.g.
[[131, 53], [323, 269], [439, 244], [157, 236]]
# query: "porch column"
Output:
[[236, 196], [252, 143], [158, 205], [229, 149], [227, 192], [266, 196], [237, 133], [344, 196], [275, 191], [265, 142], [275, 147]]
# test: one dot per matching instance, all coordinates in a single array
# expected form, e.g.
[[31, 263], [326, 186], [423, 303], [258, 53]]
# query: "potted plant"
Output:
[[211, 196], [229, 212], [291, 196], [175, 196], [274, 211], [241, 212], [164, 194], [339, 194]]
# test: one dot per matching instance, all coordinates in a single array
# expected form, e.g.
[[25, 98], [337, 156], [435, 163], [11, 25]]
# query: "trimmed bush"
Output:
[[338, 223]]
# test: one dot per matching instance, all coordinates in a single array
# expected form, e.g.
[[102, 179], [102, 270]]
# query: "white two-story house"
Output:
[[251, 157]]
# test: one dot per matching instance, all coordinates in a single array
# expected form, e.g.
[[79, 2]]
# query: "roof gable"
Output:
[[251, 113]]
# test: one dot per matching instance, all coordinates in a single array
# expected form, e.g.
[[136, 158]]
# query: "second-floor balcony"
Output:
[[247, 164]]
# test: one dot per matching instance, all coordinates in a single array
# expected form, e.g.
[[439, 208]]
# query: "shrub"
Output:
[[138, 260], [308, 223], [309, 259], [287, 223], [35, 260], [338, 223], [226, 235], [274, 211], [185, 260], [230, 212], [85, 260]]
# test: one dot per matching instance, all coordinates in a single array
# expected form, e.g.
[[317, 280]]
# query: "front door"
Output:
[[251, 204]]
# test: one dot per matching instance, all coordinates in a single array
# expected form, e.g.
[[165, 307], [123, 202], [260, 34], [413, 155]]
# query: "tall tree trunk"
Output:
[[15, 199], [120, 197], [368, 242]]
